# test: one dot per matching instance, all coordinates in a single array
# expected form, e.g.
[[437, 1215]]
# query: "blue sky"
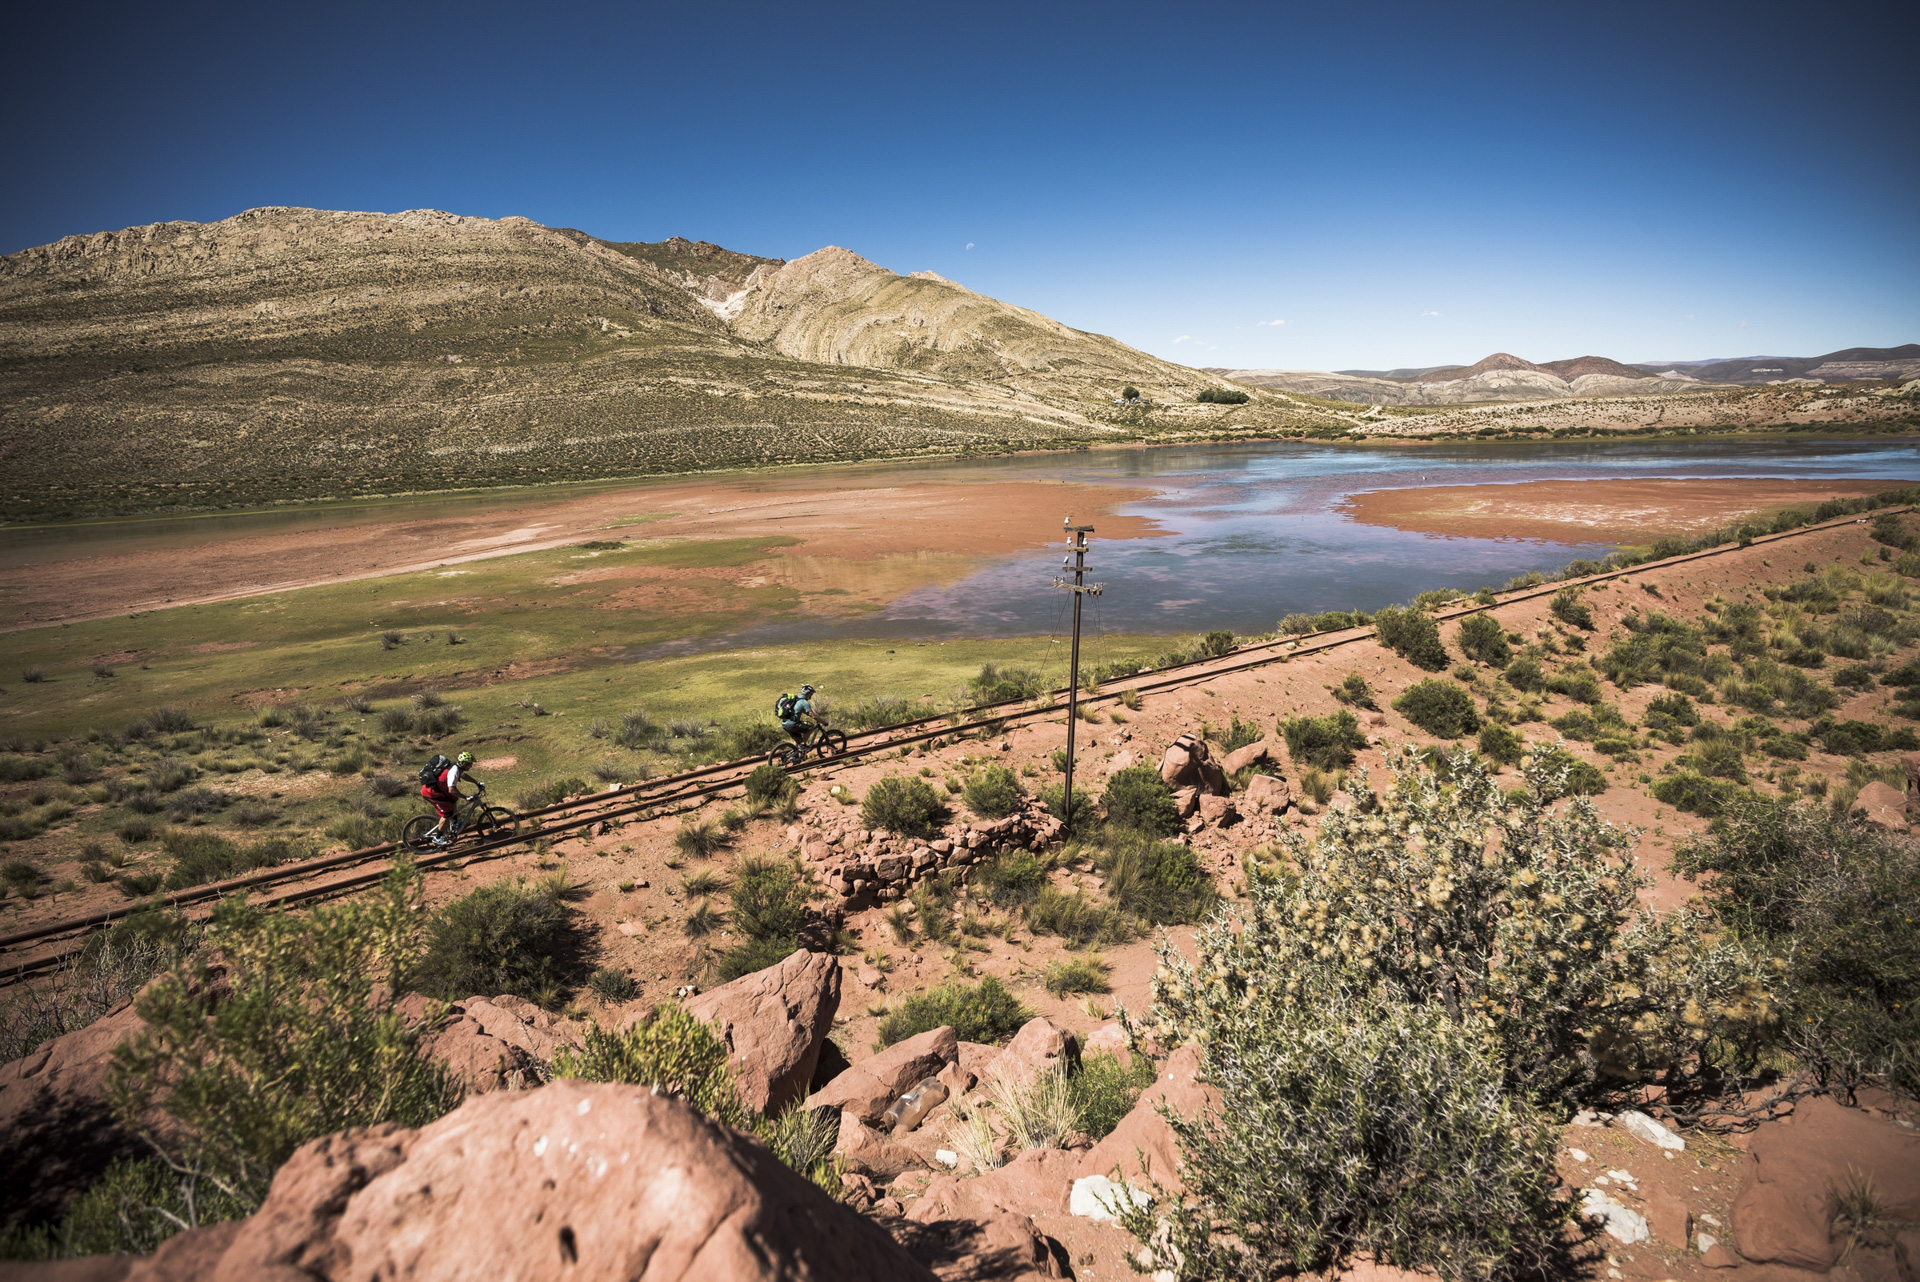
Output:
[[1400, 184]]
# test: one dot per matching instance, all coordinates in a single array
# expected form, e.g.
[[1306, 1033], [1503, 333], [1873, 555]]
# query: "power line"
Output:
[[1077, 562]]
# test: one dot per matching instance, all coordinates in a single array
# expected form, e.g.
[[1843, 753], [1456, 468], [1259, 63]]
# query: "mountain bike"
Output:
[[823, 742], [472, 815]]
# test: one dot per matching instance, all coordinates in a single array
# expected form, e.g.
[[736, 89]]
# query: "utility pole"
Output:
[[1076, 560]]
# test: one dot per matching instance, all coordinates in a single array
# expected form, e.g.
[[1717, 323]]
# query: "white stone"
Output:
[[1639, 1124], [946, 1157], [1625, 1225], [1095, 1196], [1704, 1242], [1625, 1177], [1578, 1155]]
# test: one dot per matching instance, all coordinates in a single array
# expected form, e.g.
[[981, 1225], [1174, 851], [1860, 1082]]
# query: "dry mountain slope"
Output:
[[298, 353], [1499, 377]]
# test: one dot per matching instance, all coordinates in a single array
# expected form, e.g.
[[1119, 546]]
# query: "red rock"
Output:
[[1039, 1179], [1906, 1250], [975, 1056], [1240, 758], [1783, 1213], [494, 1044], [1266, 794], [1217, 810], [773, 1022], [1177, 765], [1040, 1046], [57, 1130], [1718, 1256], [585, 1180], [1186, 801], [1883, 805], [869, 1086], [1212, 778], [1001, 1245], [1669, 1218], [869, 1152], [1144, 1131]]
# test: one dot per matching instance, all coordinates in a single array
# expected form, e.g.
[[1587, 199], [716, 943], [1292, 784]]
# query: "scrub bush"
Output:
[[769, 906], [1500, 744], [1441, 708], [1569, 606], [1012, 879], [985, 1012], [1355, 691], [509, 937], [1103, 1092], [307, 1038], [1481, 637], [993, 792], [1138, 800], [903, 804], [769, 785], [1413, 635], [1163, 883], [1328, 742]]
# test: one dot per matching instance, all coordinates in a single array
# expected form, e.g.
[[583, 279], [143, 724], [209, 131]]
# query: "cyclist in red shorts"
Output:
[[444, 795]]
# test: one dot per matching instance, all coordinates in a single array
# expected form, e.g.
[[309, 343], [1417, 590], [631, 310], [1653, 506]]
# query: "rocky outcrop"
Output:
[[1039, 1179], [869, 1087], [1883, 806], [1041, 1046], [774, 1022], [577, 1180], [499, 1043], [1784, 1212], [863, 864], [57, 1130]]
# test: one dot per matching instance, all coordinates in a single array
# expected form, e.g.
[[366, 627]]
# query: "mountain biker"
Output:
[[797, 716], [444, 795]]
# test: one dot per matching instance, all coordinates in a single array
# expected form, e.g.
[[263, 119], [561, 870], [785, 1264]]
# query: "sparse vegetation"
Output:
[[983, 1012], [1413, 635], [1327, 742], [1138, 800], [510, 937], [1441, 708], [1482, 638], [993, 792], [903, 804]]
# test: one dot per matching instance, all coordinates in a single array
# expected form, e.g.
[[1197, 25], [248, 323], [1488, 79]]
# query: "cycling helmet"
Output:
[[464, 759], [806, 692]]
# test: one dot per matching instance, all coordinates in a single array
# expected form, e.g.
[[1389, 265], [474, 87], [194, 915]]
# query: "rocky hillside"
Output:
[[298, 353], [1499, 377]]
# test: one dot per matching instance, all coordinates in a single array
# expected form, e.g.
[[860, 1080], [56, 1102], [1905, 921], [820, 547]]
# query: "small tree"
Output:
[[1129, 393], [1413, 635], [1481, 637]]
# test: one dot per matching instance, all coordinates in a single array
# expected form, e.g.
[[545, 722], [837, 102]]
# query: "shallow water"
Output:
[[1251, 532]]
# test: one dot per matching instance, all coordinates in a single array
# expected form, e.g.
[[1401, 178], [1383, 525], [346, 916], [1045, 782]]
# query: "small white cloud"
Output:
[[1184, 338], [1429, 313], [1743, 324], [969, 244], [1258, 324]]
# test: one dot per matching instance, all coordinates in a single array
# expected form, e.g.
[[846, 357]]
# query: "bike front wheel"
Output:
[[495, 823], [418, 833], [832, 743]]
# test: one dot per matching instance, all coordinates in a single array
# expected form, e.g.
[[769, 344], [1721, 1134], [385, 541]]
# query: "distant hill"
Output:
[[1506, 377], [295, 353], [1848, 364]]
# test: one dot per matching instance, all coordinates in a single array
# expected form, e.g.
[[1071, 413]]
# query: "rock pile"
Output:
[[859, 863]]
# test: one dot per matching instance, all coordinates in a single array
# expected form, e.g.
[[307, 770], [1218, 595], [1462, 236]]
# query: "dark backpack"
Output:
[[783, 707], [431, 772]]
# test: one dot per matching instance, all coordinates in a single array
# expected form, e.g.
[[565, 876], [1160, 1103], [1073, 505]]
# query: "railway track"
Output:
[[37, 949]]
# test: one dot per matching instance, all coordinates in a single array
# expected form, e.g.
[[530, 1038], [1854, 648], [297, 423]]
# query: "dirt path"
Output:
[[830, 520], [1628, 510]]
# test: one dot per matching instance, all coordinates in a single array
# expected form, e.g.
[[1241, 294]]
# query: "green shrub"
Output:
[[23, 769], [171, 774], [552, 793], [509, 937], [1833, 897], [1695, 793], [1481, 637], [1581, 777], [1413, 635], [754, 739], [1569, 606], [1354, 690], [1859, 738], [1222, 396], [769, 906], [1784, 746], [1216, 645], [1138, 799], [701, 840], [995, 684], [1440, 708], [611, 985], [1671, 710], [1577, 683], [993, 792], [308, 1038], [1328, 742], [1011, 879], [668, 1050], [1525, 675], [769, 785], [985, 1012], [1064, 978], [1103, 1092], [1357, 1126], [201, 857], [1162, 883], [130, 1210], [1855, 677], [637, 730], [1500, 744], [903, 804]]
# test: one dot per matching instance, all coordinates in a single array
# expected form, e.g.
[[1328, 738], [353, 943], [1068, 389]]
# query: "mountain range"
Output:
[[1505, 377], [298, 353]]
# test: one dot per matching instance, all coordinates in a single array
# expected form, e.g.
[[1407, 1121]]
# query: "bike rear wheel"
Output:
[[832, 743], [418, 832], [494, 823]]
